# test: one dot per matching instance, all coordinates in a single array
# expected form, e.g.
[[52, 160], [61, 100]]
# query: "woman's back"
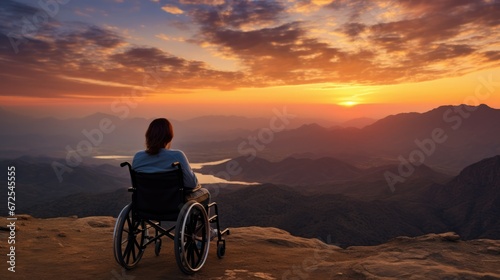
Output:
[[161, 162]]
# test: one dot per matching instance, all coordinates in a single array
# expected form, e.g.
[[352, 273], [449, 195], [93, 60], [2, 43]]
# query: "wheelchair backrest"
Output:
[[158, 196]]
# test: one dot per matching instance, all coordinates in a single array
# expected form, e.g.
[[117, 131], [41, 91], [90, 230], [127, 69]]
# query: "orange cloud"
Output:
[[172, 9]]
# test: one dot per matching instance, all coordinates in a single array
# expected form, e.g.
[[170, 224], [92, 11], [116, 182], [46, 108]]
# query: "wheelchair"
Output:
[[157, 198]]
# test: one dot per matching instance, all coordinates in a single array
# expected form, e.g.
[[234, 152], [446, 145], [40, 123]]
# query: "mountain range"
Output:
[[467, 204], [24, 135], [466, 134]]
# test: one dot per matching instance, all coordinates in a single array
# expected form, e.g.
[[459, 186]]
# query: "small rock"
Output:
[[450, 236], [282, 242], [62, 234], [98, 224], [24, 217], [493, 250], [73, 217]]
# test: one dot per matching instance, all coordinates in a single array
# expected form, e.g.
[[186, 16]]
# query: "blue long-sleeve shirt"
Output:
[[161, 162]]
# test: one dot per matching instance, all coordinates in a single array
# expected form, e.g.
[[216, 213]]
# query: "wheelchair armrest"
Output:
[[123, 164]]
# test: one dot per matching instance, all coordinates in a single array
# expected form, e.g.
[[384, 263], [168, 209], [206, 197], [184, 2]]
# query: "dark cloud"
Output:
[[424, 8], [141, 57], [445, 51], [101, 37], [492, 55], [243, 12], [11, 15], [353, 29], [355, 8], [239, 13]]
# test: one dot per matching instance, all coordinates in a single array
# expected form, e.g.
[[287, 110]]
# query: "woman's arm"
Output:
[[190, 180]]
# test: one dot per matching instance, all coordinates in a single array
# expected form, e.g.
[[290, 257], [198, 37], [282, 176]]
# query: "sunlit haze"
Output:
[[333, 60]]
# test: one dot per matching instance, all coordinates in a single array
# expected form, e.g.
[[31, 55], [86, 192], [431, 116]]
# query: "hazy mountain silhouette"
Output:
[[470, 134], [37, 183], [23, 135], [471, 201], [358, 122]]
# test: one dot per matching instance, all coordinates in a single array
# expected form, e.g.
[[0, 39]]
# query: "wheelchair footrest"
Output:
[[225, 231], [212, 219]]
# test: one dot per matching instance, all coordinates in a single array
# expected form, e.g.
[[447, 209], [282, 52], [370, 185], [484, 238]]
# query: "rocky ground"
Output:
[[81, 248]]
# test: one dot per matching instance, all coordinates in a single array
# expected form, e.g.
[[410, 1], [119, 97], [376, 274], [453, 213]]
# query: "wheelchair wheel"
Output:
[[128, 238], [191, 242]]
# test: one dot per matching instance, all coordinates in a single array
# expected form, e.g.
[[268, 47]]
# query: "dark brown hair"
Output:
[[158, 135]]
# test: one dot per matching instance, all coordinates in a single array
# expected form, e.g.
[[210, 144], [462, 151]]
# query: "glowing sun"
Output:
[[348, 103]]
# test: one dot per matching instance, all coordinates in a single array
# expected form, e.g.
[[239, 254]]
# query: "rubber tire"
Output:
[[191, 222], [128, 252]]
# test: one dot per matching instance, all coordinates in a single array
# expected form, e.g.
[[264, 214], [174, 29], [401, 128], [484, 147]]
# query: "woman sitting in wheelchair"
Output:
[[156, 198], [158, 157]]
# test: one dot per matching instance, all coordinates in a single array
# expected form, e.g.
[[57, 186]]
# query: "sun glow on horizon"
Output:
[[348, 103]]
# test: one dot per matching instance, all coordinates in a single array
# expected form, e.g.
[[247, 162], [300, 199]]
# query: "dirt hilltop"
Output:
[[81, 248]]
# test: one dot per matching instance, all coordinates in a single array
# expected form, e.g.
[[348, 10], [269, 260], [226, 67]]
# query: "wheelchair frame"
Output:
[[191, 233]]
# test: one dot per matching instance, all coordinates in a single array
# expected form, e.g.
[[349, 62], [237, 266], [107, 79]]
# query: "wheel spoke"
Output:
[[189, 254], [200, 227], [136, 244], [199, 238], [126, 254], [192, 260], [128, 221], [198, 251], [134, 256]]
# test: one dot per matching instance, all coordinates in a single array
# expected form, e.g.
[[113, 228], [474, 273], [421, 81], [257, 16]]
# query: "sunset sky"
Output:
[[327, 59]]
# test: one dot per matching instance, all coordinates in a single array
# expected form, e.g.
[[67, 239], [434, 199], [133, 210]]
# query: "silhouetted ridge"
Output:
[[471, 201], [485, 173]]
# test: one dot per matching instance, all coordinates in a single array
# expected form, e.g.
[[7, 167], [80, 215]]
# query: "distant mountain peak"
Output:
[[98, 115], [358, 122], [483, 173], [311, 126]]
